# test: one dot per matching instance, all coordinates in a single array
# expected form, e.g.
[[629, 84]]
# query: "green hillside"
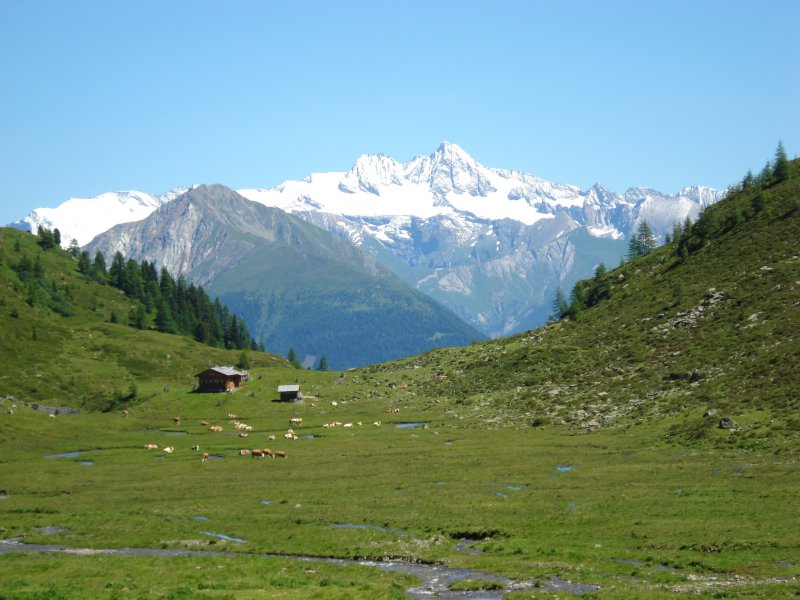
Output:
[[677, 333], [60, 347], [293, 299]]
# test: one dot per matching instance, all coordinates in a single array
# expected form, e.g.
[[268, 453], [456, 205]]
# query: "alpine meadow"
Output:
[[644, 443]]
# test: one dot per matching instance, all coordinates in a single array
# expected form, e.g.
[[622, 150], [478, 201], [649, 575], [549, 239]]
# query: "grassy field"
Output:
[[617, 508], [590, 450]]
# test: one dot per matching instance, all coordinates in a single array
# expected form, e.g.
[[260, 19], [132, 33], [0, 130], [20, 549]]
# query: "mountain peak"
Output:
[[83, 218], [451, 153], [370, 172]]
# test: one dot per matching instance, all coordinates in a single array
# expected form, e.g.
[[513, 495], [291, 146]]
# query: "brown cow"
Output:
[[204, 458], [256, 453], [280, 454]]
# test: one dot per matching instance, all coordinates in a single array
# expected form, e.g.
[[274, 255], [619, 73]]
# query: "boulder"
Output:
[[727, 423]]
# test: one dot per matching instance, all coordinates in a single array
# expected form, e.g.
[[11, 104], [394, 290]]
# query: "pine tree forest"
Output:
[[170, 305]]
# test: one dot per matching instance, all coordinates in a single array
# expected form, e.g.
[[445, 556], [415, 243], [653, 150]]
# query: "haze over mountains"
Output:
[[490, 244]]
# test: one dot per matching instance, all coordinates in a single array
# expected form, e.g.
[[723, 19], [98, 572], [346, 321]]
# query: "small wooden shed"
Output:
[[221, 379], [290, 393]]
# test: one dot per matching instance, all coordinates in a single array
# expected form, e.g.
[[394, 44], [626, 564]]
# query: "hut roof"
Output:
[[229, 371], [288, 388]]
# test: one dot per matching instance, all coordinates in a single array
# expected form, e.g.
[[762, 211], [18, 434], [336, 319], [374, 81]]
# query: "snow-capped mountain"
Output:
[[83, 218], [491, 244], [450, 182], [295, 285]]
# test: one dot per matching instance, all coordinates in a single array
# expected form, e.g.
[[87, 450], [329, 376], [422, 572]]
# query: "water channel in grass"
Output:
[[412, 425], [75, 454], [435, 579], [375, 527]]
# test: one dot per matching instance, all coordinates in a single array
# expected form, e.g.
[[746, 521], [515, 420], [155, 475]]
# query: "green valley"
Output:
[[645, 447]]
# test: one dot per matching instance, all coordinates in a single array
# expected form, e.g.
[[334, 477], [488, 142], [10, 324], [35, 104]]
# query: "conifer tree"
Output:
[[132, 281], [676, 232], [577, 301], [164, 321], [759, 202], [748, 181], [98, 270], [647, 241], [600, 287], [634, 247], [74, 249], [323, 363], [560, 305], [46, 240], [137, 317], [292, 356], [116, 273], [765, 176], [84, 263], [781, 170]]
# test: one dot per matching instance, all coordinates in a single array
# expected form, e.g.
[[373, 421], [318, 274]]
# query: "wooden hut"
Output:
[[290, 393], [221, 379]]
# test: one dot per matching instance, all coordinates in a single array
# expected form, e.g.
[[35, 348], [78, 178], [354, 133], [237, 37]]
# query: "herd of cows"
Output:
[[244, 430]]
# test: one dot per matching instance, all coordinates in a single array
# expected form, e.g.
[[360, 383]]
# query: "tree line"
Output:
[[167, 304]]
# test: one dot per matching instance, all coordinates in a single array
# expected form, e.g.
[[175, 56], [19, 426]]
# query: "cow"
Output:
[[296, 421], [151, 446], [195, 447], [177, 420], [267, 452], [244, 452], [169, 449], [270, 437], [204, 458], [256, 453], [125, 412], [280, 454]]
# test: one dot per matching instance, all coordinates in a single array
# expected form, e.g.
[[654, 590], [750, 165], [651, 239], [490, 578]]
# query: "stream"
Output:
[[435, 579]]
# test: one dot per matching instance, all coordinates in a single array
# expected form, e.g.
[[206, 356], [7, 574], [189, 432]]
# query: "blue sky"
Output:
[[155, 94]]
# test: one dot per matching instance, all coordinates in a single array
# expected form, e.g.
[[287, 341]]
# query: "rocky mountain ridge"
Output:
[[491, 244], [295, 285]]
